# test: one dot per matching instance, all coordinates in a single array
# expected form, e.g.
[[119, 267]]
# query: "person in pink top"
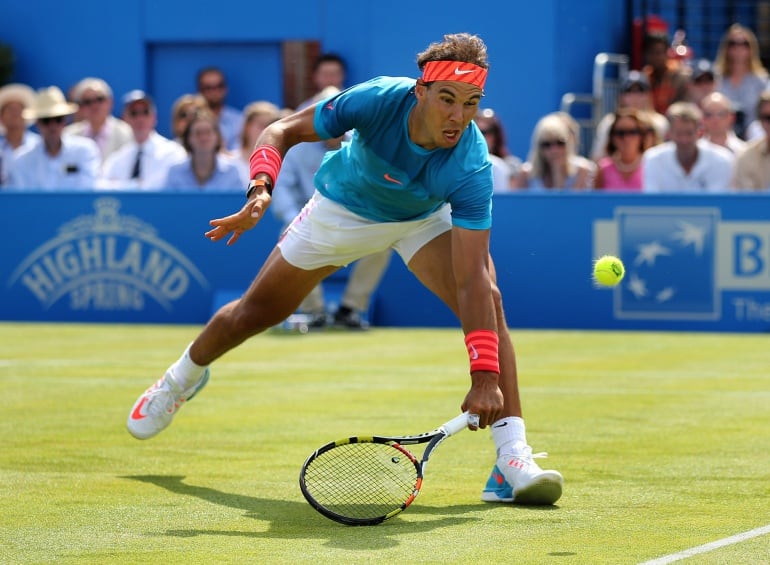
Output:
[[621, 169]]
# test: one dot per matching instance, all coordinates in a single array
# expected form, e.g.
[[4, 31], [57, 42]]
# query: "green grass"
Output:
[[663, 439]]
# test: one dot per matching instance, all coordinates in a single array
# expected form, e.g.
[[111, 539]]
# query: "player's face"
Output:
[[445, 108]]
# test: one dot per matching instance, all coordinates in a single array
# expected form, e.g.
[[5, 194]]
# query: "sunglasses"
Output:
[[717, 114], [89, 101], [622, 133], [52, 120], [764, 118], [549, 144], [738, 43], [217, 86], [185, 115]]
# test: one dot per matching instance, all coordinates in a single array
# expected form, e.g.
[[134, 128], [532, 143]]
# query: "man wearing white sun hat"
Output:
[[15, 135], [55, 162]]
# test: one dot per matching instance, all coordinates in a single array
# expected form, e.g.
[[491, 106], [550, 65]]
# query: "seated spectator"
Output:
[[256, 117], [718, 122], [668, 84], [95, 100], [143, 163], [206, 167], [329, 70], [752, 166], [15, 136], [634, 93], [55, 161], [687, 163], [182, 112], [213, 87], [574, 130], [504, 165], [552, 163], [741, 75], [701, 80], [621, 169]]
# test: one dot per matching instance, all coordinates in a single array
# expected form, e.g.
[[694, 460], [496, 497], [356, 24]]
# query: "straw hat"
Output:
[[49, 103], [16, 92]]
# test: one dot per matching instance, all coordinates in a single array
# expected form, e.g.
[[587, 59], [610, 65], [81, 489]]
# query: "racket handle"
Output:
[[459, 423]]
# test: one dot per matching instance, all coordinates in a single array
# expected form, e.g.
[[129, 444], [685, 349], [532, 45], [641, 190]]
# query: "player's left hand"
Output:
[[484, 398], [242, 221]]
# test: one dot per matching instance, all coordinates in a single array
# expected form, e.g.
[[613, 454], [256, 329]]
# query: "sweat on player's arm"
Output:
[[416, 177]]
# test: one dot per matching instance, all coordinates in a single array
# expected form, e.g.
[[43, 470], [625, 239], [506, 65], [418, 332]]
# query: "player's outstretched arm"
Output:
[[470, 259], [280, 136], [243, 220]]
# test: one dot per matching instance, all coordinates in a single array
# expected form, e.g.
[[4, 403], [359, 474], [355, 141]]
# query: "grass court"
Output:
[[663, 440]]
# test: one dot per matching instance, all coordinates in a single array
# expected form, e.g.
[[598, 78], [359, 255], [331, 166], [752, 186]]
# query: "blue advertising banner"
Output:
[[692, 262]]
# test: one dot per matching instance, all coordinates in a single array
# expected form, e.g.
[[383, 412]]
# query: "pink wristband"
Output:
[[265, 159], [482, 350]]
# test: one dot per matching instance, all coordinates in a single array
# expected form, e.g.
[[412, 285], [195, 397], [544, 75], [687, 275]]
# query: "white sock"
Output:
[[185, 372], [509, 435]]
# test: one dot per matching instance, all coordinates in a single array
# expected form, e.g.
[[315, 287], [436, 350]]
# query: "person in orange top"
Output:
[[667, 81]]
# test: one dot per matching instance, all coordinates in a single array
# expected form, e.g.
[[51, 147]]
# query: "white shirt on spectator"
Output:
[[75, 167], [712, 171], [158, 154]]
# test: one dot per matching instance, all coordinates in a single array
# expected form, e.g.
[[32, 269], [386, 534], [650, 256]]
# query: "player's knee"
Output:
[[246, 321]]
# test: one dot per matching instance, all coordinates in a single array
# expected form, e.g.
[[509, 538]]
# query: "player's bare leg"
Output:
[[515, 476], [275, 293]]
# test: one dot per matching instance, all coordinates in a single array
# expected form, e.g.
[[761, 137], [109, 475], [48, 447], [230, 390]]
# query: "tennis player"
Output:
[[415, 178]]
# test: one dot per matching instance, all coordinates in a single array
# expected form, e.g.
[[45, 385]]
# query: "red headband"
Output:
[[457, 71]]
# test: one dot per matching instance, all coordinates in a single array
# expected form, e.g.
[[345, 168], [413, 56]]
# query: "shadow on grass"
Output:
[[297, 520]]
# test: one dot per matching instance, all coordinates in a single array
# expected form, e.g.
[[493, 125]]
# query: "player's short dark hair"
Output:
[[463, 47]]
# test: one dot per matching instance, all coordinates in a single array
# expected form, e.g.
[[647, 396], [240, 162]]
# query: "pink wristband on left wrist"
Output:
[[483, 350]]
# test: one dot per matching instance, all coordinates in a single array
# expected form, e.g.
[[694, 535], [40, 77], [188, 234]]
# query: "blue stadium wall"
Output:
[[693, 262], [538, 50]]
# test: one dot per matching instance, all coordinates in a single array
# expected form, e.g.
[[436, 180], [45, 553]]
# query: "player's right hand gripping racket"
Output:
[[364, 480]]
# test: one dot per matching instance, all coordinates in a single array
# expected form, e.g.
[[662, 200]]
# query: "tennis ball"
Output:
[[608, 270]]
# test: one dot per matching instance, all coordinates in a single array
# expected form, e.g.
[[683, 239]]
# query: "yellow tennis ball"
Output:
[[608, 270]]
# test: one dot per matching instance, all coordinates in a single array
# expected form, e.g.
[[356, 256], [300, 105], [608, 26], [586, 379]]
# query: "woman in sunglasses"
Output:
[[741, 75], [553, 162], [621, 168]]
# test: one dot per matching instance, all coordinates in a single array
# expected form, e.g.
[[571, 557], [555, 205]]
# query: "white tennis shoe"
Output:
[[154, 410], [530, 484]]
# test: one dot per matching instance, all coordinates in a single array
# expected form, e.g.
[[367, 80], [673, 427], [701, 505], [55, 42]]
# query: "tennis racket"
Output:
[[364, 480]]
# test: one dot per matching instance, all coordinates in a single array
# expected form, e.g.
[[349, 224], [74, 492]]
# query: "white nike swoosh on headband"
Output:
[[459, 72]]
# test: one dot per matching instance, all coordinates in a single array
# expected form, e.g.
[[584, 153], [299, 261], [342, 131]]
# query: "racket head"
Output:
[[362, 480]]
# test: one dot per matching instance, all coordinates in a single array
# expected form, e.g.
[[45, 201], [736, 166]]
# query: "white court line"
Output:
[[705, 548]]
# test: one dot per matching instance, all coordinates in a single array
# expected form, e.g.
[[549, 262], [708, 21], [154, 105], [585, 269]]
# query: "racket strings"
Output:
[[362, 480]]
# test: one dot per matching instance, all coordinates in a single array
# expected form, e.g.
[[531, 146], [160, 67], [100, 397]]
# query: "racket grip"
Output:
[[459, 423]]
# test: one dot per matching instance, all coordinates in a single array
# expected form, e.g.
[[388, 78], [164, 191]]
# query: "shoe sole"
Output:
[[490, 496], [542, 492]]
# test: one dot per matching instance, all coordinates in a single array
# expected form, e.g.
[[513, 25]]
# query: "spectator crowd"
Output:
[[680, 125]]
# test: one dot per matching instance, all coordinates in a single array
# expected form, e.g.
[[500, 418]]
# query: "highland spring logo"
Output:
[[107, 262]]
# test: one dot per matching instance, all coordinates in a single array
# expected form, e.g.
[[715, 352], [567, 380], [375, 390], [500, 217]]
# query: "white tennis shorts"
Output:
[[325, 233]]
